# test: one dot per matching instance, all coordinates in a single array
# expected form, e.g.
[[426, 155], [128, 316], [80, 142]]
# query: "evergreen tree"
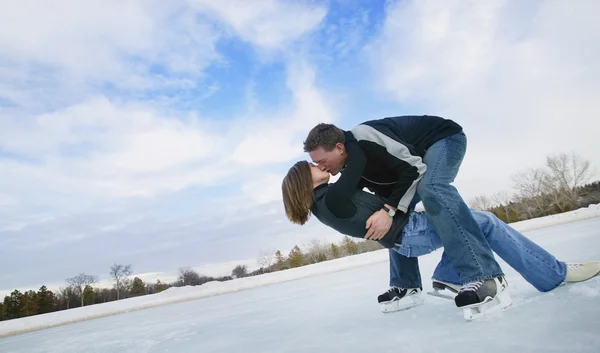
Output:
[[296, 257], [138, 287], [29, 304], [335, 251], [280, 261], [89, 296], [46, 301], [349, 245], [159, 287], [2, 312], [12, 304], [279, 258]]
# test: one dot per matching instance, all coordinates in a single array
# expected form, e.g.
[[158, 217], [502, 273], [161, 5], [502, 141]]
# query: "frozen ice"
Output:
[[332, 307]]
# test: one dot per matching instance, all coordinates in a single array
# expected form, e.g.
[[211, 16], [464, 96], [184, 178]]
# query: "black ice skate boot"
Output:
[[396, 299], [480, 298]]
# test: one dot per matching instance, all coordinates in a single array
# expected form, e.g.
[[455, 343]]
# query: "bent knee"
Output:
[[484, 218]]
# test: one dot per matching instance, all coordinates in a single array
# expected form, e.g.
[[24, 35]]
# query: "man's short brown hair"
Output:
[[323, 135]]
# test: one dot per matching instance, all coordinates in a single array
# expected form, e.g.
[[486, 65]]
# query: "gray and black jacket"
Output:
[[393, 151], [384, 156]]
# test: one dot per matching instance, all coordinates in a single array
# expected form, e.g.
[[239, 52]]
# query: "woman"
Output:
[[306, 190]]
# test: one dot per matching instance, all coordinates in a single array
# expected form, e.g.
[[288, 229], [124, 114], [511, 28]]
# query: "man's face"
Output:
[[331, 162]]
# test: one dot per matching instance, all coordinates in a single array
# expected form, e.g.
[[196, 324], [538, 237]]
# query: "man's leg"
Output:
[[445, 272], [463, 241]]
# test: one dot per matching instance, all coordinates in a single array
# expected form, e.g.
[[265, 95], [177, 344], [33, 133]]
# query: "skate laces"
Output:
[[394, 289], [473, 286], [574, 266]]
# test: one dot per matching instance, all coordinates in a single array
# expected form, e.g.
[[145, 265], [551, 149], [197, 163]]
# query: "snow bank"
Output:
[[180, 294], [572, 216]]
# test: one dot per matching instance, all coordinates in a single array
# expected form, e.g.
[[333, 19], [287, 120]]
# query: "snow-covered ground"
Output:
[[332, 307]]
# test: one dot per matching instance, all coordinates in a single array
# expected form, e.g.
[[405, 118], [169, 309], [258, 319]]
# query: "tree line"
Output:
[[83, 290], [560, 185]]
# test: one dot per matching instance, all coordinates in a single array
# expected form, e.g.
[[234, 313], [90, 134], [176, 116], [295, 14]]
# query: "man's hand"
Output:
[[378, 225]]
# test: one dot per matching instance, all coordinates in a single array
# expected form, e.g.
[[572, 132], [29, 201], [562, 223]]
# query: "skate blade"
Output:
[[399, 305], [442, 294], [493, 306]]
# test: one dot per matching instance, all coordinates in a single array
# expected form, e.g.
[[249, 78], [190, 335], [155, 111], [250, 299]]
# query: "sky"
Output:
[[157, 133]]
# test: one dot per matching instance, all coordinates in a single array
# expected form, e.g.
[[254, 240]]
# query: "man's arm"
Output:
[[409, 167], [409, 173], [338, 199]]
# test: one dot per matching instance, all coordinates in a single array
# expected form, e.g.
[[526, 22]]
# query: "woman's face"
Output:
[[318, 176]]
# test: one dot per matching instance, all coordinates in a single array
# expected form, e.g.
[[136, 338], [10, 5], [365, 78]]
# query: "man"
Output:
[[398, 158]]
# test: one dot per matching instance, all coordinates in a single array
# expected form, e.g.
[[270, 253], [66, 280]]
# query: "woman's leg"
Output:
[[420, 238], [540, 268], [404, 271]]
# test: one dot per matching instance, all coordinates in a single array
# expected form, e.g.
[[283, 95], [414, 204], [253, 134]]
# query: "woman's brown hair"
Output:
[[297, 190]]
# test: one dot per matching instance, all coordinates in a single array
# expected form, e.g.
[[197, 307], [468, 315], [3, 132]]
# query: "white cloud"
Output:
[[98, 40], [266, 23], [279, 138], [96, 162], [90, 145], [101, 148], [522, 78], [264, 188]]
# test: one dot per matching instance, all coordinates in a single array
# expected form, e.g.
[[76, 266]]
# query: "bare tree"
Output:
[[567, 174], [482, 203], [266, 259], [120, 273], [66, 293], [317, 252], [530, 186], [369, 245], [79, 282], [240, 271], [189, 277], [503, 199]]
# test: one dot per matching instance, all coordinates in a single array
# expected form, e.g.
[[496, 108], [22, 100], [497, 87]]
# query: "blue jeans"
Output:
[[540, 268], [404, 271], [466, 246]]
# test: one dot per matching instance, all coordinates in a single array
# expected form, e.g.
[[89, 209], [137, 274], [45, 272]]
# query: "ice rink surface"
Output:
[[338, 312]]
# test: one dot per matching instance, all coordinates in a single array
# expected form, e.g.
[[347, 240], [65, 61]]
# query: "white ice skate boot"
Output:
[[582, 271], [441, 289], [396, 299], [479, 299]]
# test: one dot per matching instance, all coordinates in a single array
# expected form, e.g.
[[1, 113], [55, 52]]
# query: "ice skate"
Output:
[[396, 299], [579, 272], [444, 290], [482, 298]]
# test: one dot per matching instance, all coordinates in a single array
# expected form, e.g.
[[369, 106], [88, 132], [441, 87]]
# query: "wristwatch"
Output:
[[389, 211]]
